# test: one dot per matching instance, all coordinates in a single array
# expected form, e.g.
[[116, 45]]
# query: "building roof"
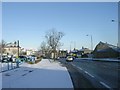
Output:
[[12, 47], [108, 46], [83, 49]]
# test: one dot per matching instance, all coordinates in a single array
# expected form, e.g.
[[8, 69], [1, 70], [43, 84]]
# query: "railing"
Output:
[[6, 66]]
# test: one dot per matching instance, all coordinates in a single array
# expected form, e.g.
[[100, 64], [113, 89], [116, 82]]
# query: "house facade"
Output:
[[62, 53], [30, 52], [12, 50]]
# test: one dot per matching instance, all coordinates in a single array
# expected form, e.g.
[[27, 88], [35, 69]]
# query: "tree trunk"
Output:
[[54, 52]]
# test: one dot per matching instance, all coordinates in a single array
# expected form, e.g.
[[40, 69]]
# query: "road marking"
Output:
[[104, 66], [73, 64], [79, 68], [105, 84], [89, 74]]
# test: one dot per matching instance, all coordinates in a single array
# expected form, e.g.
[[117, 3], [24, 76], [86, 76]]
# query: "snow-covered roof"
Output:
[[110, 46], [83, 49], [113, 47], [74, 51]]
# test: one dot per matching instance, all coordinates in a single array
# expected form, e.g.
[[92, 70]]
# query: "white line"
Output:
[[89, 74], [105, 84], [73, 64], [79, 68]]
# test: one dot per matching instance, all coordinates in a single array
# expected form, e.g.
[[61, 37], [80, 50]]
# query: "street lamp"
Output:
[[17, 61], [91, 41], [118, 44], [7, 55], [16, 43], [70, 46], [18, 47], [118, 21], [74, 45]]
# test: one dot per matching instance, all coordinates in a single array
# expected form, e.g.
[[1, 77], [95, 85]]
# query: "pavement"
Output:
[[44, 74], [101, 59]]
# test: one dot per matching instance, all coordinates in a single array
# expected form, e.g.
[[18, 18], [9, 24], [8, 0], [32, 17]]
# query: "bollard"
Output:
[[17, 63], [8, 65], [11, 65]]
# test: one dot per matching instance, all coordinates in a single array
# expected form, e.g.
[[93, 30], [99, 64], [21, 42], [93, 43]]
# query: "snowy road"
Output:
[[41, 75]]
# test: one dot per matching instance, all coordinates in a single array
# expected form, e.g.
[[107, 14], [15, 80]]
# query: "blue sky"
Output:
[[28, 22]]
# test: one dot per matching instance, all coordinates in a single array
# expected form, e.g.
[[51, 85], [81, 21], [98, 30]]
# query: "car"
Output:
[[69, 59], [58, 58], [34, 57], [14, 59], [23, 58], [118, 57], [5, 59]]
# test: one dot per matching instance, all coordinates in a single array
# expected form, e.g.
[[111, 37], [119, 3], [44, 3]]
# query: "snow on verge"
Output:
[[41, 75]]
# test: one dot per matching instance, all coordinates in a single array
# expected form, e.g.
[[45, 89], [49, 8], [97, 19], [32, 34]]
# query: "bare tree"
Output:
[[2, 46], [44, 48], [53, 38]]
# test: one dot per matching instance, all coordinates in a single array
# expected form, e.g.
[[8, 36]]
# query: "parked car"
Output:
[[5, 59], [33, 58], [23, 58], [69, 59], [14, 59], [58, 58], [118, 57]]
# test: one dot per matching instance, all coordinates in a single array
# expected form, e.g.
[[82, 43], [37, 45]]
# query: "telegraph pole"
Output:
[[119, 24], [91, 41], [18, 47], [17, 62]]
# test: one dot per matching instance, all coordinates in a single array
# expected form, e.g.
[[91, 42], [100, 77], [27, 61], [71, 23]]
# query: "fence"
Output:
[[8, 66]]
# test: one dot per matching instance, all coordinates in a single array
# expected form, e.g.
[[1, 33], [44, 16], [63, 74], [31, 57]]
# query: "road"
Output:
[[101, 74]]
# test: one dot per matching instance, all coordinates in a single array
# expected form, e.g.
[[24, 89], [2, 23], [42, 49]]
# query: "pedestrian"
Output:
[[11, 59]]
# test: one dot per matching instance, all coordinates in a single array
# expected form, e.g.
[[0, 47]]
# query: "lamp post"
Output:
[[71, 45], [118, 44], [16, 43], [17, 60], [91, 41], [18, 47], [74, 45]]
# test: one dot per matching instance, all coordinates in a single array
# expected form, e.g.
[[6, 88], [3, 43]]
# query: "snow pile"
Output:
[[41, 75]]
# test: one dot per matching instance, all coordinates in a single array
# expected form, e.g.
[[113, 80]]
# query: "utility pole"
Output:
[[18, 47], [74, 45], [17, 61], [91, 41], [70, 46], [119, 24]]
